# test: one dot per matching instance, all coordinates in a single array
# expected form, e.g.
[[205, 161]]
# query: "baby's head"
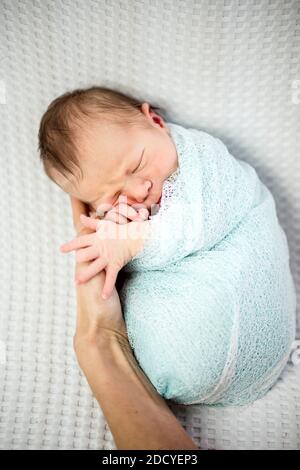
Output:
[[97, 143]]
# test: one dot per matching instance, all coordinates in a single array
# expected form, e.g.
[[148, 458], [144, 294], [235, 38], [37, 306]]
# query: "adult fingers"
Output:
[[89, 222], [78, 207]]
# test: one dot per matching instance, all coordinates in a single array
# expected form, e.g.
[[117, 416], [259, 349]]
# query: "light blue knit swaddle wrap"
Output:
[[209, 303]]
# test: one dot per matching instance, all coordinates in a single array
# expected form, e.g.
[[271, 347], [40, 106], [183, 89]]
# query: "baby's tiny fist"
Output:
[[144, 214]]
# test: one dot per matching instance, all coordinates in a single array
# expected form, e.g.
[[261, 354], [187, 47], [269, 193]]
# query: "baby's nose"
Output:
[[148, 185], [139, 192]]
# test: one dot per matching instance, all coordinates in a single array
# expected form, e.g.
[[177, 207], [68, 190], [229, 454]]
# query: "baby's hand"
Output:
[[121, 212], [110, 247]]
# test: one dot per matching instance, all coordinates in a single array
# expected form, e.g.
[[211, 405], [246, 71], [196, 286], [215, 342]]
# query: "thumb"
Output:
[[78, 207], [89, 222]]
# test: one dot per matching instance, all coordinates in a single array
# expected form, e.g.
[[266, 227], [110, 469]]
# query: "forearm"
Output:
[[137, 415]]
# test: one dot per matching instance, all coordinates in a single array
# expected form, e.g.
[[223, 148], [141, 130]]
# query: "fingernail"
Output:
[[104, 296]]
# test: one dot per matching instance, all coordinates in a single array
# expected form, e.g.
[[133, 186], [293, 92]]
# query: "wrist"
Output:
[[111, 351], [139, 232], [99, 344], [99, 330]]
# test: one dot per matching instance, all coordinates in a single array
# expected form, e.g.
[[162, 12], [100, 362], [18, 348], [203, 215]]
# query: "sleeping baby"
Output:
[[208, 297]]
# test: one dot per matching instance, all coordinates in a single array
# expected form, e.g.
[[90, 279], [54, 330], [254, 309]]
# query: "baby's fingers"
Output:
[[115, 217], [87, 254], [78, 242], [127, 211], [143, 214], [94, 268]]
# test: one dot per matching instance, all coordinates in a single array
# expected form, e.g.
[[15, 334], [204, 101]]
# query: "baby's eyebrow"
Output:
[[90, 203]]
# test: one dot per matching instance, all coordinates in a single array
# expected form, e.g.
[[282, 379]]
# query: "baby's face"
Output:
[[116, 161]]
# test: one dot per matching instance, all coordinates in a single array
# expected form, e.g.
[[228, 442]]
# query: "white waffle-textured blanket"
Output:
[[230, 68]]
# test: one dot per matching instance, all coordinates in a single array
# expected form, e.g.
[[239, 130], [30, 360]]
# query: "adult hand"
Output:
[[137, 415], [95, 316]]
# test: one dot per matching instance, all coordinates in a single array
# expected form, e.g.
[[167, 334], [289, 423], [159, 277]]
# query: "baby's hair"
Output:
[[58, 132]]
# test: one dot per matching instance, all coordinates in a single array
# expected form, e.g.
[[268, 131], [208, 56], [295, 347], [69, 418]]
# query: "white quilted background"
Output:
[[228, 67]]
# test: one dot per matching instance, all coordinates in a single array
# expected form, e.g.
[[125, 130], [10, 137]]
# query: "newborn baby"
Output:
[[209, 302]]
